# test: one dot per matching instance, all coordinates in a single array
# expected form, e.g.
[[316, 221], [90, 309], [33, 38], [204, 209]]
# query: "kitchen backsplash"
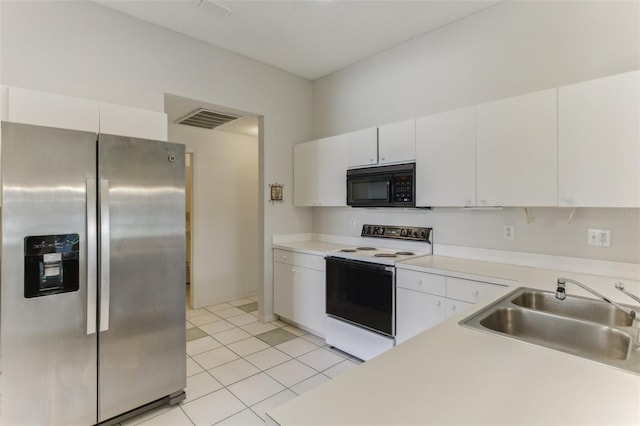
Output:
[[551, 231]]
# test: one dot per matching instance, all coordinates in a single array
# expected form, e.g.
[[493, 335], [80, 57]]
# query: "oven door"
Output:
[[361, 293]]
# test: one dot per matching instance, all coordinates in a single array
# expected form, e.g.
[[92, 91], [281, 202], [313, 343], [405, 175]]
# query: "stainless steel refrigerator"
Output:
[[93, 267]]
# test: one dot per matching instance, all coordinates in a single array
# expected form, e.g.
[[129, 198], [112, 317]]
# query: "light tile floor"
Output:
[[238, 368]]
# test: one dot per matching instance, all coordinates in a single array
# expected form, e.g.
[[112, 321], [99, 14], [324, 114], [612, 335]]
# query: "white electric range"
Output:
[[360, 283]]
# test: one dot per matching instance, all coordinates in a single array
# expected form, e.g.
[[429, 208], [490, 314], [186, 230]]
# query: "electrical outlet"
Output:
[[508, 232], [599, 237], [352, 223]]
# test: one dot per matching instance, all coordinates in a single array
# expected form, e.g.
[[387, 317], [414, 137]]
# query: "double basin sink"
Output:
[[588, 328]]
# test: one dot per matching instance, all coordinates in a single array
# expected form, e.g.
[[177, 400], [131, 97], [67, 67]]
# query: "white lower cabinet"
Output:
[[299, 290], [454, 307], [416, 312], [423, 299], [283, 277]]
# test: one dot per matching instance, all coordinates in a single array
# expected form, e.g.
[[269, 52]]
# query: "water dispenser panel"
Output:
[[51, 264]]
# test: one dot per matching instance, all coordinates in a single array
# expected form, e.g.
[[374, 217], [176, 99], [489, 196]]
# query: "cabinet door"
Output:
[[362, 147], [310, 300], [517, 151], [133, 122], [469, 290], [51, 110], [305, 170], [599, 142], [397, 142], [454, 307], [283, 290], [331, 172], [415, 312], [446, 159]]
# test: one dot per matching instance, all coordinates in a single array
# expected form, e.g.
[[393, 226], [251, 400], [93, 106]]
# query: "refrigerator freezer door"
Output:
[[142, 349], [49, 354]]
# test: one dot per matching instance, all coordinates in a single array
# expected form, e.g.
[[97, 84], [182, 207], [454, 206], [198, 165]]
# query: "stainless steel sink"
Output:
[[584, 327], [573, 307]]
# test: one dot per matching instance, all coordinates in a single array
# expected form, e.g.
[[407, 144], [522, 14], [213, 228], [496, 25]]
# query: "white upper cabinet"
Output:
[[516, 148], [305, 170], [397, 142], [319, 172], [66, 112], [51, 110], [446, 159], [133, 122], [332, 179], [599, 142], [362, 147]]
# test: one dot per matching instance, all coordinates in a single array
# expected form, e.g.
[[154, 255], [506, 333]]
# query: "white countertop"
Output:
[[454, 375], [319, 248]]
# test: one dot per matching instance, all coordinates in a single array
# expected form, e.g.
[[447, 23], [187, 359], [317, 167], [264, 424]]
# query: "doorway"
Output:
[[223, 211], [188, 185]]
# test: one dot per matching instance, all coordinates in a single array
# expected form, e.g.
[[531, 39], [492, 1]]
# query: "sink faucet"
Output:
[[561, 294]]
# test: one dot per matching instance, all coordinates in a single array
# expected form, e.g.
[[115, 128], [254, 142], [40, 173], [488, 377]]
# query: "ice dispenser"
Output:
[[51, 264]]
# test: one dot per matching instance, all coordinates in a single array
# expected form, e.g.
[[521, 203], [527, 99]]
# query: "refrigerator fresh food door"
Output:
[[142, 348], [49, 341]]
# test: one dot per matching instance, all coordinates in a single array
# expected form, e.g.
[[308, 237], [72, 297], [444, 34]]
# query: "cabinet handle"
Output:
[[284, 257], [371, 160], [419, 282], [453, 307], [438, 303], [293, 270], [382, 159], [467, 201], [476, 293]]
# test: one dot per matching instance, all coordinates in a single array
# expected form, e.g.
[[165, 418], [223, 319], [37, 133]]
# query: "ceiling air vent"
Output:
[[206, 118]]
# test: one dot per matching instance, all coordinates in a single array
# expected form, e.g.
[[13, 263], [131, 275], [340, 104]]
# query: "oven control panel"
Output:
[[397, 232]]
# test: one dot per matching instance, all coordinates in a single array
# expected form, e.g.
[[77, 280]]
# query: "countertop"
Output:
[[454, 375], [319, 248]]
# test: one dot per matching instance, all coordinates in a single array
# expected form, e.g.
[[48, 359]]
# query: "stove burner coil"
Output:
[[348, 250], [385, 255], [366, 248], [405, 253]]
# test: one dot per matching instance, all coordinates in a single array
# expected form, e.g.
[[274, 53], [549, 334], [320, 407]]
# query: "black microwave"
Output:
[[382, 186]]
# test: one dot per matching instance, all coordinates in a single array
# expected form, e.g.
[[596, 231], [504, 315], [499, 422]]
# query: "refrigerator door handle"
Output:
[[104, 255], [92, 256]]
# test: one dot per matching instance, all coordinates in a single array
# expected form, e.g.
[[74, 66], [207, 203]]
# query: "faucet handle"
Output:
[[561, 293], [620, 286]]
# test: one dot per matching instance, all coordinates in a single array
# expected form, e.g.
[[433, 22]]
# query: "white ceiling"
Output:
[[310, 38]]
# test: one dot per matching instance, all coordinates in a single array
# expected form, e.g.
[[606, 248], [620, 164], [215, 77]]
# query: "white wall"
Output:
[[83, 49], [226, 256], [506, 50]]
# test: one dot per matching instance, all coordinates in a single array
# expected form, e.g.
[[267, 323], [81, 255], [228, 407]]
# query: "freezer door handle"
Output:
[[104, 255], [92, 256]]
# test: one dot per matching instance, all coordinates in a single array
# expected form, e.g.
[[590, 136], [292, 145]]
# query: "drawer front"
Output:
[[454, 307], [470, 291], [299, 259], [421, 281]]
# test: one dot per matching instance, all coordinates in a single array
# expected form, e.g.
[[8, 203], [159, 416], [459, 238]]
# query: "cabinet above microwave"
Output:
[[389, 144]]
